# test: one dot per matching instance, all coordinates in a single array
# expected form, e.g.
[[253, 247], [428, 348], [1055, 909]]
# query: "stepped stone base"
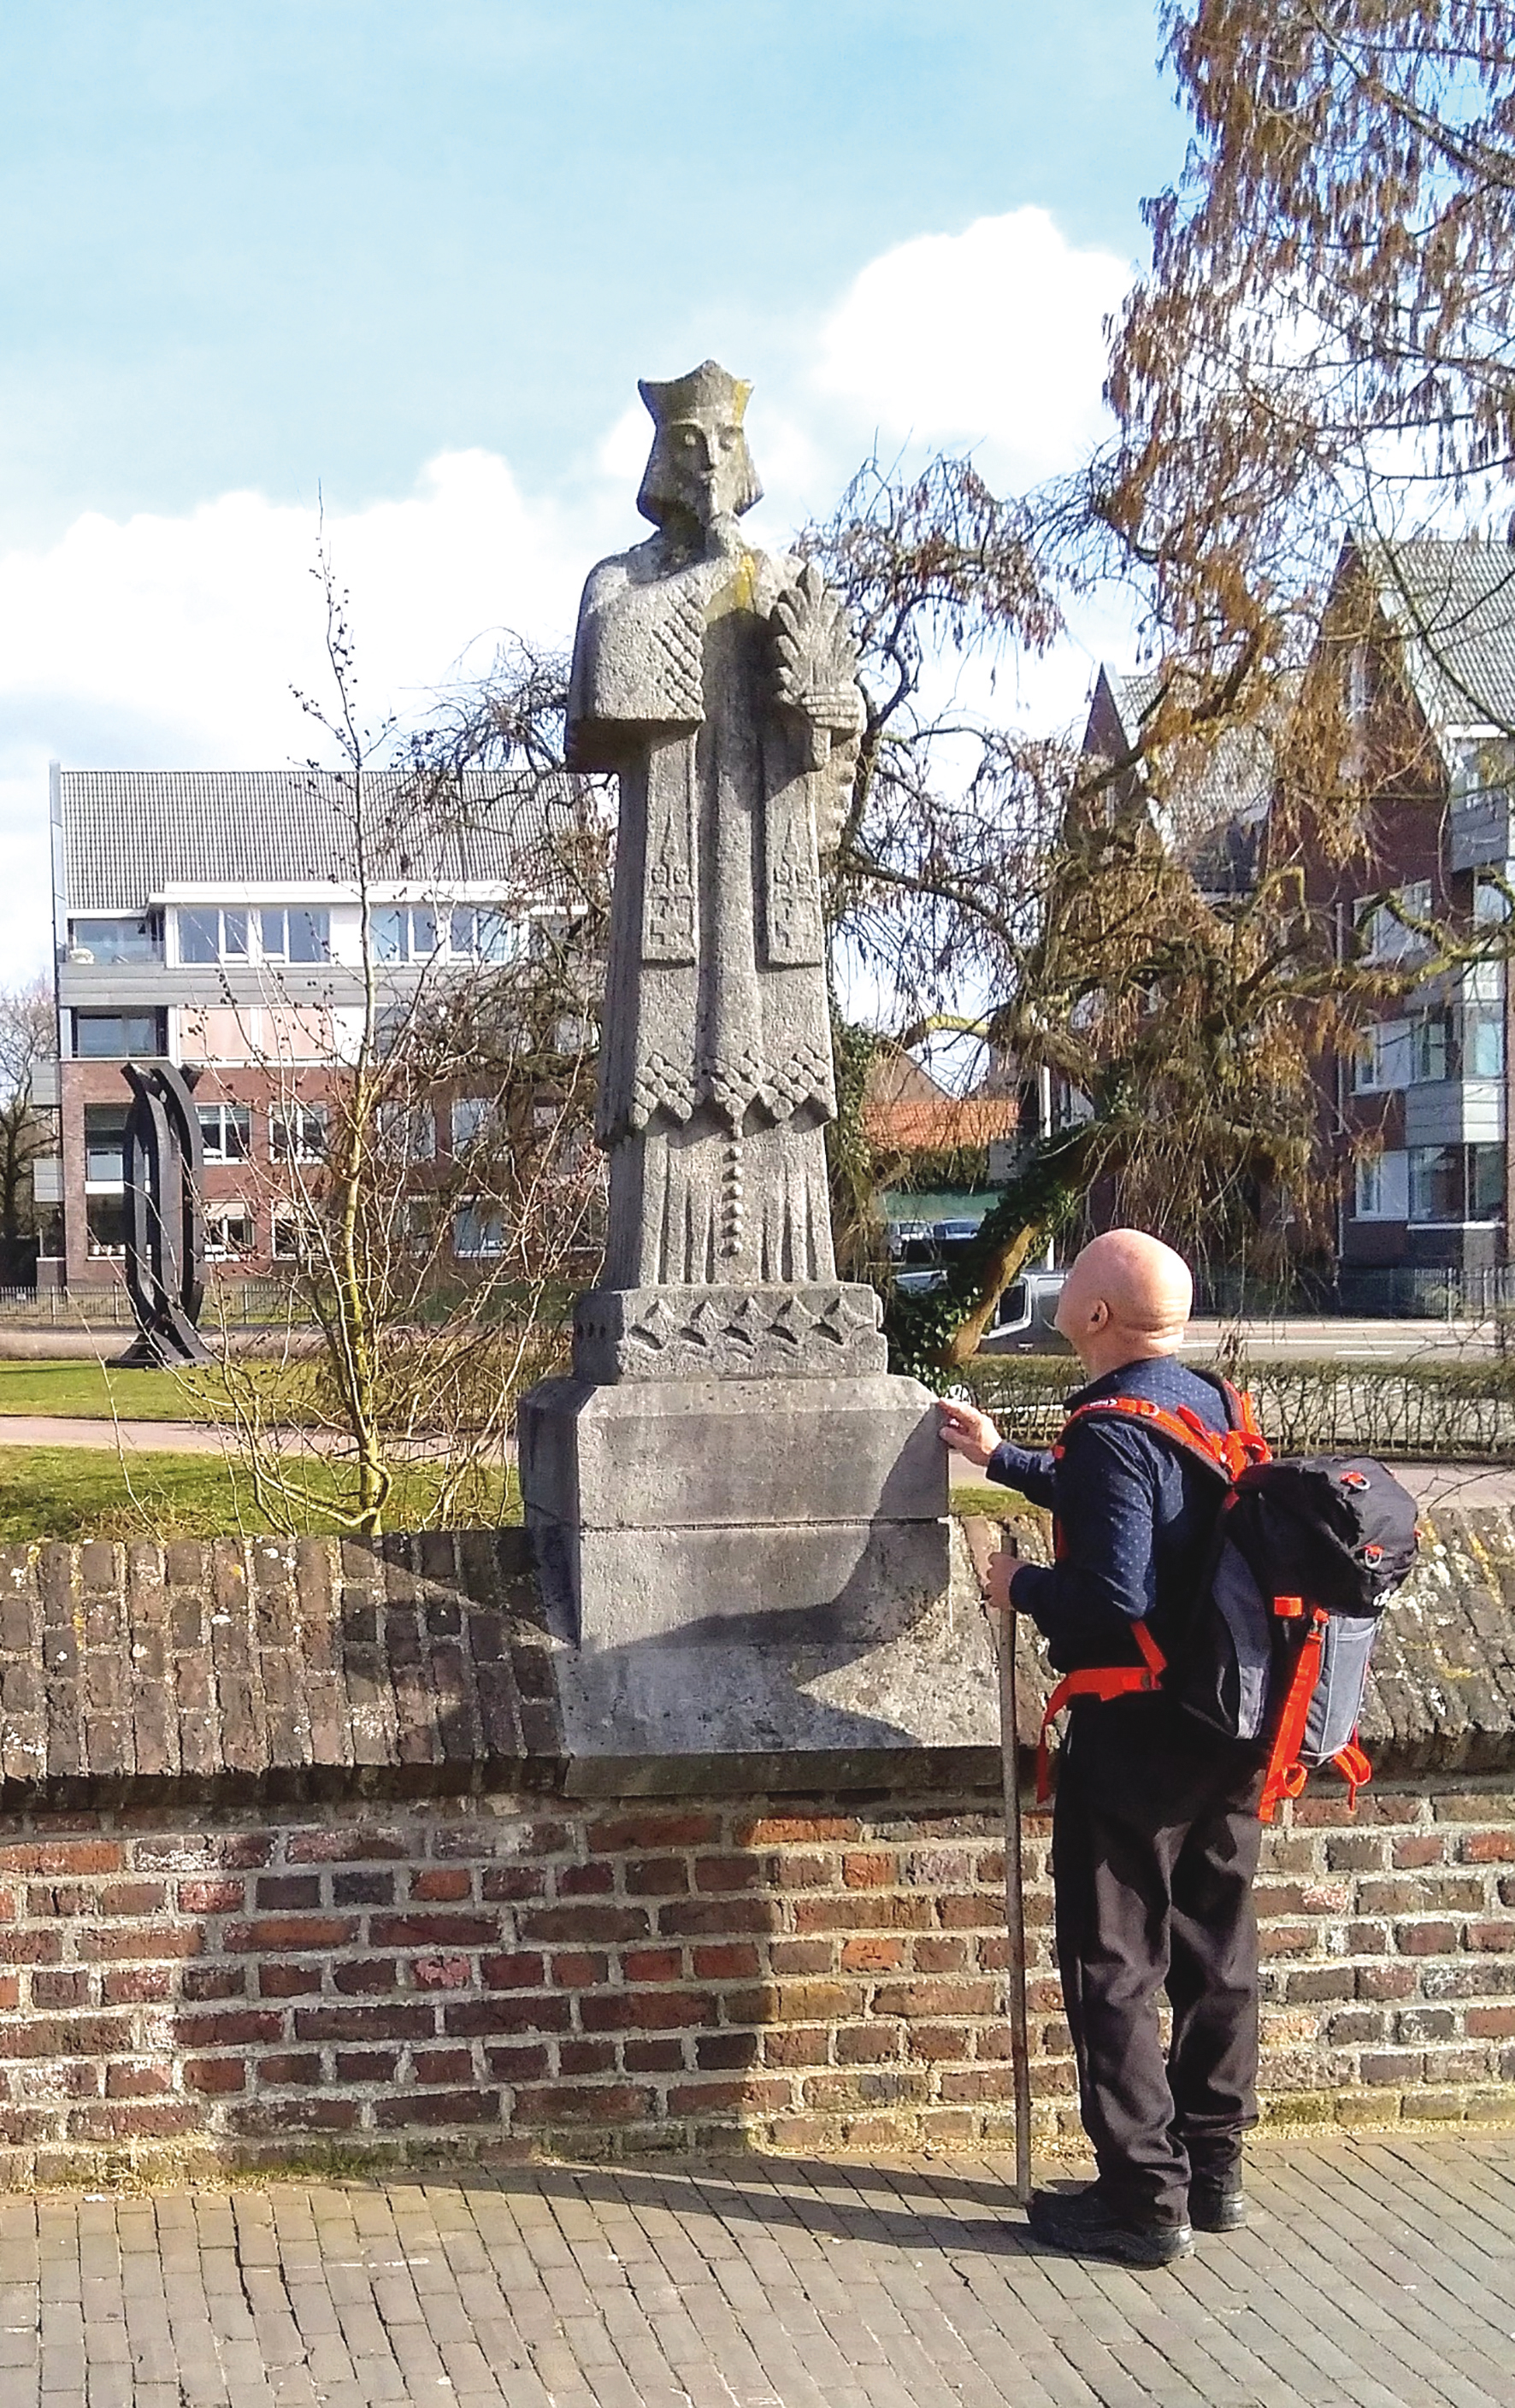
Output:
[[692, 1505]]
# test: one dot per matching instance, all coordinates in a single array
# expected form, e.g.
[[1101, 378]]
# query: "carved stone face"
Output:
[[706, 469]]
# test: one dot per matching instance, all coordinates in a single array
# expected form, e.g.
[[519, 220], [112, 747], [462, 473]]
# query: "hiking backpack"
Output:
[[1307, 1552]]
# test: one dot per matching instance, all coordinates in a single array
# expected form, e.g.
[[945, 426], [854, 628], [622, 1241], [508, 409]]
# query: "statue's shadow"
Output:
[[875, 1672]]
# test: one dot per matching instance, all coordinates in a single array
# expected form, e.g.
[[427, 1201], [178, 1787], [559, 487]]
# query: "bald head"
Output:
[[1126, 1298]]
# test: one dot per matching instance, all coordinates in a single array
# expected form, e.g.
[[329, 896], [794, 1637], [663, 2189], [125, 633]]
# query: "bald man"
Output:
[[1155, 1833]]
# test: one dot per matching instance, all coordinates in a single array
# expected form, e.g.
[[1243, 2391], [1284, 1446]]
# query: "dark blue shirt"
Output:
[[1136, 1515]]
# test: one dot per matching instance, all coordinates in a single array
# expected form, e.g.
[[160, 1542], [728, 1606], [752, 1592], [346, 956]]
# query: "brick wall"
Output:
[[510, 1973]]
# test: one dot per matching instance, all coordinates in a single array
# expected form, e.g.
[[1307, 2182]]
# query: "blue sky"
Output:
[[415, 255]]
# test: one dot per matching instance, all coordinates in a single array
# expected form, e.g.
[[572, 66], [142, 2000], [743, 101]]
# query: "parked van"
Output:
[[1023, 1325]]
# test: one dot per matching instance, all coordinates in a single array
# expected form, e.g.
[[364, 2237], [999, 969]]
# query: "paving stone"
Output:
[[1376, 2275]]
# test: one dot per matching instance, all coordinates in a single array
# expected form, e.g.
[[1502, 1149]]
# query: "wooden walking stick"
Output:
[[984, 1541]]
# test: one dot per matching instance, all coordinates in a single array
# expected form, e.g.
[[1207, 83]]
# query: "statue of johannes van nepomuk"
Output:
[[721, 686]]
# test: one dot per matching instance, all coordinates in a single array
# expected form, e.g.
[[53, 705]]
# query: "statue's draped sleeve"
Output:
[[638, 665]]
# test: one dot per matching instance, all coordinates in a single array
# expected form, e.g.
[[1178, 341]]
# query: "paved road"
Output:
[[1377, 2275], [1334, 1339]]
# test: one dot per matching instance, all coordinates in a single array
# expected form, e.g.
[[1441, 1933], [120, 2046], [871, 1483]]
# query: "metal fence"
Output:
[[240, 1303]]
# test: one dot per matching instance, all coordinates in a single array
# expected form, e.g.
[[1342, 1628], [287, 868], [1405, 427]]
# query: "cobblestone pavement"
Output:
[[1379, 2274]]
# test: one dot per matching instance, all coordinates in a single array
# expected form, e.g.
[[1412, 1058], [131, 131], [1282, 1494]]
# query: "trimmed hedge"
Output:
[[1430, 1410]]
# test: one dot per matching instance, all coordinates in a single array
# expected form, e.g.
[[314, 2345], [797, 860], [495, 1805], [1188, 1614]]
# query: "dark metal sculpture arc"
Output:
[[163, 1173]]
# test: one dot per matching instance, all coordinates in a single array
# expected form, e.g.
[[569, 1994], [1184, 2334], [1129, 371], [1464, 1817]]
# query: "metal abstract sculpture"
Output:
[[164, 1218]]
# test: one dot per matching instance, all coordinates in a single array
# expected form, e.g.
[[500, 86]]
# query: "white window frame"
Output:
[[1382, 1186], [481, 1210], [1374, 1069], [409, 1130], [468, 1115], [507, 928], [1389, 939], [242, 1116], [316, 913], [1424, 1056], [302, 1118], [392, 927], [220, 913], [218, 1219]]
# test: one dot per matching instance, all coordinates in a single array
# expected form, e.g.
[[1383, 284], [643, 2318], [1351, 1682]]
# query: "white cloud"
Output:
[[173, 642], [993, 336]]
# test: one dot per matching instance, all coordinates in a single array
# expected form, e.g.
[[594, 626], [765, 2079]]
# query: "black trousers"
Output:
[[1155, 1842]]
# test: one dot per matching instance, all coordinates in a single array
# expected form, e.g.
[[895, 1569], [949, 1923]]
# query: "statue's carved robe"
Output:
[[715, 1080]]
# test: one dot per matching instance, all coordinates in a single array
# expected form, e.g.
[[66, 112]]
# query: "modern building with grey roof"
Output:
[[218, 918]]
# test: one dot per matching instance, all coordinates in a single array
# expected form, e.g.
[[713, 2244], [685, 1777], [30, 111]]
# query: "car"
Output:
[[1024, 1322]]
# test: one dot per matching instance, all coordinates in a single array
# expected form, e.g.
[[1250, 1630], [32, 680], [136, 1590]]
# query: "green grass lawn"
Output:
[[63, 1491], [96, 1391]]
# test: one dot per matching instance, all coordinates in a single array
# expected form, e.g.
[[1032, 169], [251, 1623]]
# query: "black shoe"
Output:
[[1217, 2204], [1081, 2222]]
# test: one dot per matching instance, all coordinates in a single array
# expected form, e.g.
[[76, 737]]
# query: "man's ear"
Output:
[[1099, 1313]]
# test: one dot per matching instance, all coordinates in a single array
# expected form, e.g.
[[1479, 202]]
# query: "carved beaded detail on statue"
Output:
[[727, 1332]]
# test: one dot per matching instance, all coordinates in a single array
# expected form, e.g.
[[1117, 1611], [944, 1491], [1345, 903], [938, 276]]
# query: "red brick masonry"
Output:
[[287, 1864], [492, 1972]]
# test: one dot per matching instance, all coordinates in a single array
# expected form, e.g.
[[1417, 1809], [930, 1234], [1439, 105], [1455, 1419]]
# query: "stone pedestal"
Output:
[[809, 1500]]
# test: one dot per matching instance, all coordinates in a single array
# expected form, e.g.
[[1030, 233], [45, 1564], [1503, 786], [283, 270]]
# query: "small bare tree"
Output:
[[28, 1037], [436, 1277]]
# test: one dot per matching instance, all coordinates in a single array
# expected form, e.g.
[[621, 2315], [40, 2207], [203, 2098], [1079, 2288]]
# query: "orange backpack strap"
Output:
[[1285, 1776], [1354, 1769], [1227, 1451], [1102, 1681]]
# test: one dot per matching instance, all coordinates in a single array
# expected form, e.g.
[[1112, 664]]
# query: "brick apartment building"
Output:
[[1422, 636], [1417, 1121], [214, 918]]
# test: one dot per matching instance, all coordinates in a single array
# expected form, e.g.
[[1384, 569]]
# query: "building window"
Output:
[[404, 931], [483, 932], [408, 1131], [470, 1115], [1385, 936], [1384, 1061], [1456, 1183], [118, 941], [297, 1133], [287, 1247], [1483, 1042], [105, 1145], [1485, 1183], [118, 1035], [104, 1225], [1381, 1187], [226, 1131], [1430, 1048], [296, 934], [208, 934], [228, 1232], [1491, 903], [1435, 1182], [478, 1232]]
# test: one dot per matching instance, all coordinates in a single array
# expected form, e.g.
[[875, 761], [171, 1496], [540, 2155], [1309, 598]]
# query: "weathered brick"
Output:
[[215, 2074], [722, 1961], [562, 2102], [1425, 1939], [284, 2070], [606, 1924], [272, 1934], [875, 1953], [643, 1830]]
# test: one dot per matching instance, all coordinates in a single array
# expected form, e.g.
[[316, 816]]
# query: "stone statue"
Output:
[[721, 686], [731, 1442]]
